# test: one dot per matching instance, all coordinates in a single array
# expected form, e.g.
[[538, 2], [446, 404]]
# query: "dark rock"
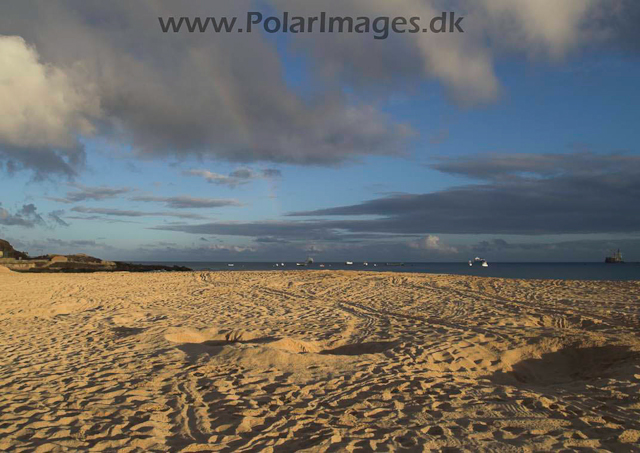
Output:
[[79, 263]]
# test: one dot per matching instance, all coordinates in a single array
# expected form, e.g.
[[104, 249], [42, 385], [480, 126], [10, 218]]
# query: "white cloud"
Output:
[[217, 178], [463, 62], [433, 243], [188, 94], [547, 26], [40, 105]]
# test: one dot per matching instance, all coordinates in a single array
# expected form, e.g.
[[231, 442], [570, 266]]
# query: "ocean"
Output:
[[546, 271]]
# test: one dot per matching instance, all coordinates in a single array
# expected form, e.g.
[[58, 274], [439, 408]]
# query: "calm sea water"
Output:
[[561, 271]]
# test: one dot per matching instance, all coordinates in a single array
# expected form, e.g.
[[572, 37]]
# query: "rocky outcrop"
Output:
[[130, 267], [8, 252], [81, 263]]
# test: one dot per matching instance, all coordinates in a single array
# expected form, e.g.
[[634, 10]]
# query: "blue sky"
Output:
[[565, 120]]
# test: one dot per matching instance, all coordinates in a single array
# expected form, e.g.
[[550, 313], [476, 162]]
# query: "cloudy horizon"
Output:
[[513, 140]]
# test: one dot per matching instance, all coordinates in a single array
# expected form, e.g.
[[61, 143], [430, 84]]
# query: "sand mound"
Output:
[[264, 358], [212, 336], [5, 270], [187, 336], [287, 355], [233, 336], [295, 346]]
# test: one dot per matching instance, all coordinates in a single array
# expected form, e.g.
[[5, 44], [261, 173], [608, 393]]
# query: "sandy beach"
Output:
[[316, 361]]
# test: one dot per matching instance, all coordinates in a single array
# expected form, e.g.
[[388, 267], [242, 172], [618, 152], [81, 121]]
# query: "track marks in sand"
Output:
[[323, 361], [212, 341]]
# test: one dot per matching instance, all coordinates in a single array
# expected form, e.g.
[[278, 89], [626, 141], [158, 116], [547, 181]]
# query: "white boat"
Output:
[[348, 263], [365, 263], [322, 265], [477, 261], [306, 263], [230, 265]]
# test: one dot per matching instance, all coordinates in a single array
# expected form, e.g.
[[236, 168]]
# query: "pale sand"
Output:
[[322, 361]]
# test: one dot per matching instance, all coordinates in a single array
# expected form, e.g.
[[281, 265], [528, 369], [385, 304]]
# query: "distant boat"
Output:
[[615, 258], [322, 265], [348, 263], [282, 264], [230, 264], [477, 261], [306, 263], [365, 263], [394, 264]]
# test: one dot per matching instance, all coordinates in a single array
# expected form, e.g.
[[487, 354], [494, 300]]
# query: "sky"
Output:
[[515, 140]]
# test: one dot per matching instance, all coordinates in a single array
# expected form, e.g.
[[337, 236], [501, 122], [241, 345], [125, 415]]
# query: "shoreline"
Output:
[[293, 270], [357, 271]]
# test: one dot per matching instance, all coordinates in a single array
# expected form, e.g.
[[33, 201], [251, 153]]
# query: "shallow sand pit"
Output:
[[572, 363]]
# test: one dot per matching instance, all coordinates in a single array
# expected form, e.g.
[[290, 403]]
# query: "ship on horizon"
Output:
[[479, 262], [616, 257]]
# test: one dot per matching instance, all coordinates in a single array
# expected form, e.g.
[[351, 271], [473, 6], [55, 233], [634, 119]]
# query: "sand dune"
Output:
[[316, 361]]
